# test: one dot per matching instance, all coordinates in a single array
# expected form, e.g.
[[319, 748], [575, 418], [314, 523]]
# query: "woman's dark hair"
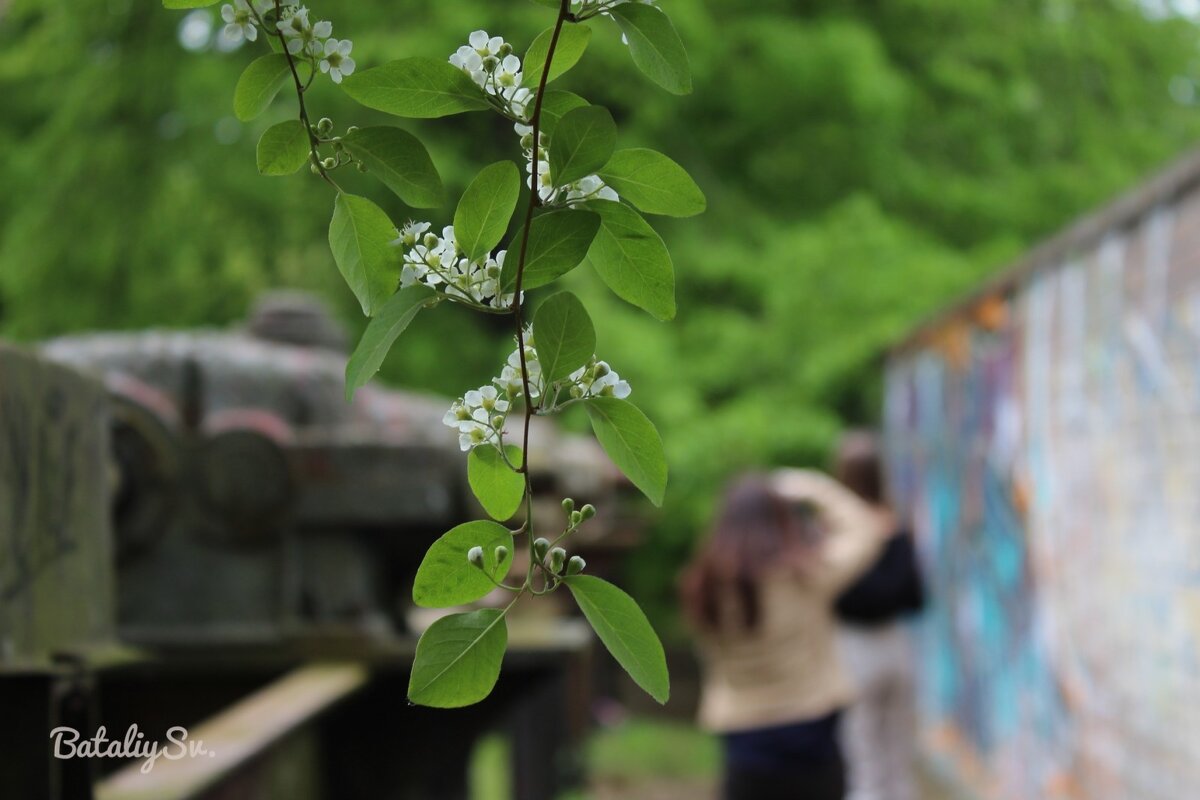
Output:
[[857, 465], [755, 530]]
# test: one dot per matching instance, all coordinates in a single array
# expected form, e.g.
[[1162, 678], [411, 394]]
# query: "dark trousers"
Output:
[[804, 782], [800, 761]]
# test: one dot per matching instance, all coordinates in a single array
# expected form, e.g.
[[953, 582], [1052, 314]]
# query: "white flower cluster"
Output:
[[313, 39], [437, 262], [479, 415], [589, 188], [490, 62]]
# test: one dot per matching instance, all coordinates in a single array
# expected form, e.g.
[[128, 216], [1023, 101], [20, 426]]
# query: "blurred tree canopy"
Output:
[[865, 161]]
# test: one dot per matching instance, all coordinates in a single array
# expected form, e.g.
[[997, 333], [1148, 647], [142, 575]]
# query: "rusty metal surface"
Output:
[[56, 577]]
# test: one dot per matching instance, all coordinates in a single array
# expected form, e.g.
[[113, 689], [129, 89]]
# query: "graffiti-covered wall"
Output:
[[1045, 439]]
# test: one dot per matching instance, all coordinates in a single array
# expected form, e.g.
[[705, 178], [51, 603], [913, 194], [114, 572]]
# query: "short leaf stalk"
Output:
[[586, 201]]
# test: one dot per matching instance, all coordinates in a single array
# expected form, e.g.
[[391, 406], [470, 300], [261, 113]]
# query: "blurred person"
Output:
[[879, 729], [760, 593]]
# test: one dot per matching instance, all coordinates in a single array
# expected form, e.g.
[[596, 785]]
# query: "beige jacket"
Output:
[[786, 670]]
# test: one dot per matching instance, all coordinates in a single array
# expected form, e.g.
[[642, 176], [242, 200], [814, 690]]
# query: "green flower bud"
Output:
[[576, 518], [338, 147], [558, 557], [540, 546], [568, 505], [325, 126], [501, 554], [490, 63], [505, 49], [329, 163], [588, 511], [527, 141], [351, 129], [600, 370], [497, 422], [575, 565], [314, 169], [431, 240], [475, 556]]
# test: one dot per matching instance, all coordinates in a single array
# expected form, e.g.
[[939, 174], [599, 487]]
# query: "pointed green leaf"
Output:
[[360, 236], [381, 334], [625, 631], [398, 159], [653, 183], [420, 88], [458, 659], [556, 104], [655, 46], [497, 487], [572, 42], [558, 242], [631, 441], [566, 338], [445, 577], [583, 142], [259, 84], [486, 208], [631, 258], [283, 149]]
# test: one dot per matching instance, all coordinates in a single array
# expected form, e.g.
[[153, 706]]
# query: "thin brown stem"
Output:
[[518, 306]]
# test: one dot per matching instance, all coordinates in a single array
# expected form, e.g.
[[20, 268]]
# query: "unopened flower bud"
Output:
[[527, 141], [568, 505], [490, 63], [431, 240], [600, 371], [576, 393], [501, 554], [575, 565], [505, 49], [475, 556], [576, 518], [338, 146], [324, 126], [497, 422], [329, 163], [540, 546], [588, 511], [558, 557], [351, 129], [314, 169]]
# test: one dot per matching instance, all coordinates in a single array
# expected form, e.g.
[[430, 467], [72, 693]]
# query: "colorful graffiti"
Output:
[[1046, 445]]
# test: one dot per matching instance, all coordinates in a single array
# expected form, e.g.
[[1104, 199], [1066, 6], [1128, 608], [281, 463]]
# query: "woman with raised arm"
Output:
[[760, 593]]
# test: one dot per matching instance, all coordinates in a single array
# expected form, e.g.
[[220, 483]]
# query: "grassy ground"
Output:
[[635, 760]]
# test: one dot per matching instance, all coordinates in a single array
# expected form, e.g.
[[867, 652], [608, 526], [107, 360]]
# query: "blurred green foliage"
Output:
[[865, 161]]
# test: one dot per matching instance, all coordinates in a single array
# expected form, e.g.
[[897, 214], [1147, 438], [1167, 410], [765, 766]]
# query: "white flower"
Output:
[[410, 233], [597, 380], [590, 188], [337, 61], [239, 21], [472, 416], [471, 63]]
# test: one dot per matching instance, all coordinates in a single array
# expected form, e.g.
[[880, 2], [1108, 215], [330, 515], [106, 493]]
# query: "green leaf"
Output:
[[458, 659], [572, 42], [381, 334], [398, 159], [655, 46], [631, 258], [189, 3], [445, 577], [632, 443], [653, 183], [259, 84], [360, 236], [420, 88], [498, 488], [566, 338], [558, 242], [283, 149], [625, 631], [555, 105], [486, 208], [583, 142]]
